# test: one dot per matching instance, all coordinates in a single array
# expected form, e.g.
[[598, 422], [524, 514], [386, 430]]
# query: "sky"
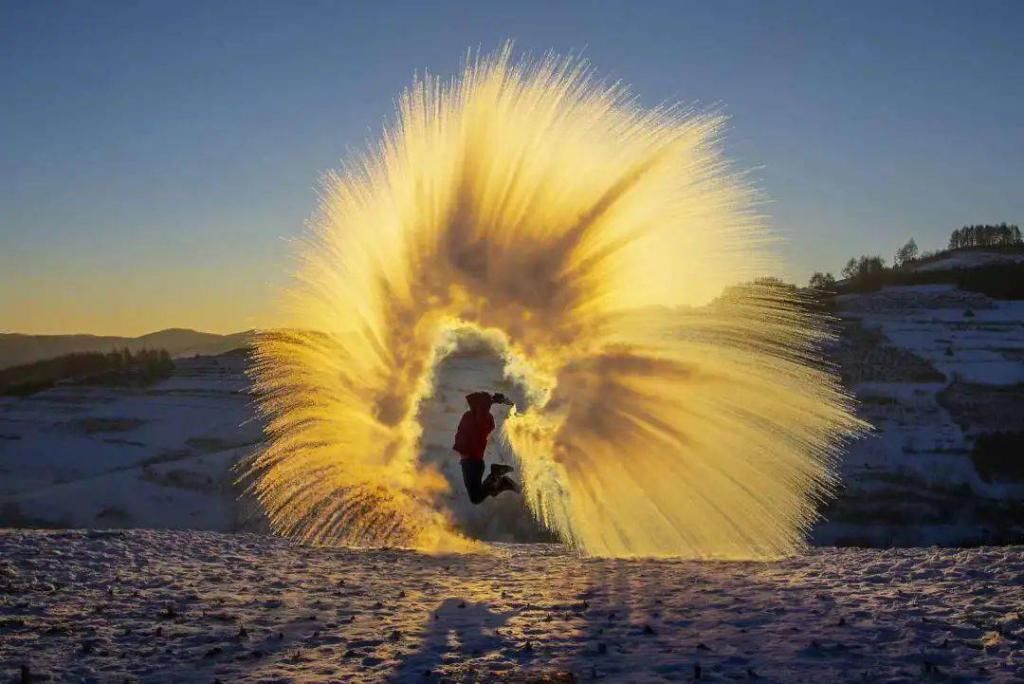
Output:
[[157, 157]]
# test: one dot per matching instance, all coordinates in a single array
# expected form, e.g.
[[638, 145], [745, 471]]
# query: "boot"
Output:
[[504, 484], [499, 469]]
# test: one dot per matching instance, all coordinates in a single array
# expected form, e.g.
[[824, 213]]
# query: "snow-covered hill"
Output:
[[161, 456], [933, 367], [152, 606], [966, 258]]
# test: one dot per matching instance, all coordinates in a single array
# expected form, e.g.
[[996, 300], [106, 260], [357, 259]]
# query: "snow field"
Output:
[[166, 606]]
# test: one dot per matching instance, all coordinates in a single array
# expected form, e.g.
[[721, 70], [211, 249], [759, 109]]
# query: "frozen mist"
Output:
[[532, 205], [172, 606]]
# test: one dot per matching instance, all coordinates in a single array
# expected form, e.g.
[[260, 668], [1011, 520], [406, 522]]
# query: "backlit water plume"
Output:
[[587, 239]]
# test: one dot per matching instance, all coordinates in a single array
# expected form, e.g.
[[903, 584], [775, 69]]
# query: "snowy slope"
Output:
[[967, 258], [932, 367], [920, 359], [198, 607], [130, 457], [962, 334]]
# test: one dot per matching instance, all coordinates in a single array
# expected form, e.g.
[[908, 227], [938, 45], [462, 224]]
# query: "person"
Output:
[[470, 442]]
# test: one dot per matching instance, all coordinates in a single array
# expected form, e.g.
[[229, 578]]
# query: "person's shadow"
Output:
[[458, 630]]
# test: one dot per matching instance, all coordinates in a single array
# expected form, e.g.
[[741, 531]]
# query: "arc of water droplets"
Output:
[[593, 239]]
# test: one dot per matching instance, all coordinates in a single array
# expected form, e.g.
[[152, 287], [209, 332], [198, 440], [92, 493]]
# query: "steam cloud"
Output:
[[587, 239]]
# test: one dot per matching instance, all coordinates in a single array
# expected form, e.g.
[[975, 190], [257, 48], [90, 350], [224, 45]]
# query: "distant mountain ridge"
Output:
[[18, 348]]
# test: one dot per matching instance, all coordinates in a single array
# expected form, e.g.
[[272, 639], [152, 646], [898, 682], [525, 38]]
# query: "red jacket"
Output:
[[475, 427]]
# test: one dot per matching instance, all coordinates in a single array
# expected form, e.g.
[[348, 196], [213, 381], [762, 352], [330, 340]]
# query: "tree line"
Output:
[[866, 272], [115, 367], [985, 235]]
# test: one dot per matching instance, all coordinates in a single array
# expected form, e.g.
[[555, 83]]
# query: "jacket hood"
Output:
[[479, 401]]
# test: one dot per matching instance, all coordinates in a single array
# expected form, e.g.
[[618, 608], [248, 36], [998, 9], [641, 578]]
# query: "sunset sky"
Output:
[[156, 157]]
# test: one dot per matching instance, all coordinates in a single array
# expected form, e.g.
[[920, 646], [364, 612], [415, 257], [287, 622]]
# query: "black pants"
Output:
[[473, 475]]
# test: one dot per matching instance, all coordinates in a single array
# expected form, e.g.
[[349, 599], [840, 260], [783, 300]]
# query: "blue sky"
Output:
[[156, 156]]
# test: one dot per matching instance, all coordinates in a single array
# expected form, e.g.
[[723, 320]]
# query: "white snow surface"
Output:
[[967, 259], [173, 606], [162, 456], [912, 480], [963, 334]]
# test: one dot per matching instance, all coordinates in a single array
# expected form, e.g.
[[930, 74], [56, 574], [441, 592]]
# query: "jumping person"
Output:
[[471, 440]]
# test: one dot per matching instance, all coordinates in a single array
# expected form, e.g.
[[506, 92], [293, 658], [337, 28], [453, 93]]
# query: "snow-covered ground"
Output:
[[967, 259], [925, 362], [167, 606], [160, 456], [965, 335], [163, 456], [932, 367]]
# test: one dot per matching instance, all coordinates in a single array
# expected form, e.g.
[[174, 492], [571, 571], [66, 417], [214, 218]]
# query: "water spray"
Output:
[[595, 241]]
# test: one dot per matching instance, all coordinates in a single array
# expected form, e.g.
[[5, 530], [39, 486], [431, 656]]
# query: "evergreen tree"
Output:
[[822, 281], [850, 269], [906, 253]]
